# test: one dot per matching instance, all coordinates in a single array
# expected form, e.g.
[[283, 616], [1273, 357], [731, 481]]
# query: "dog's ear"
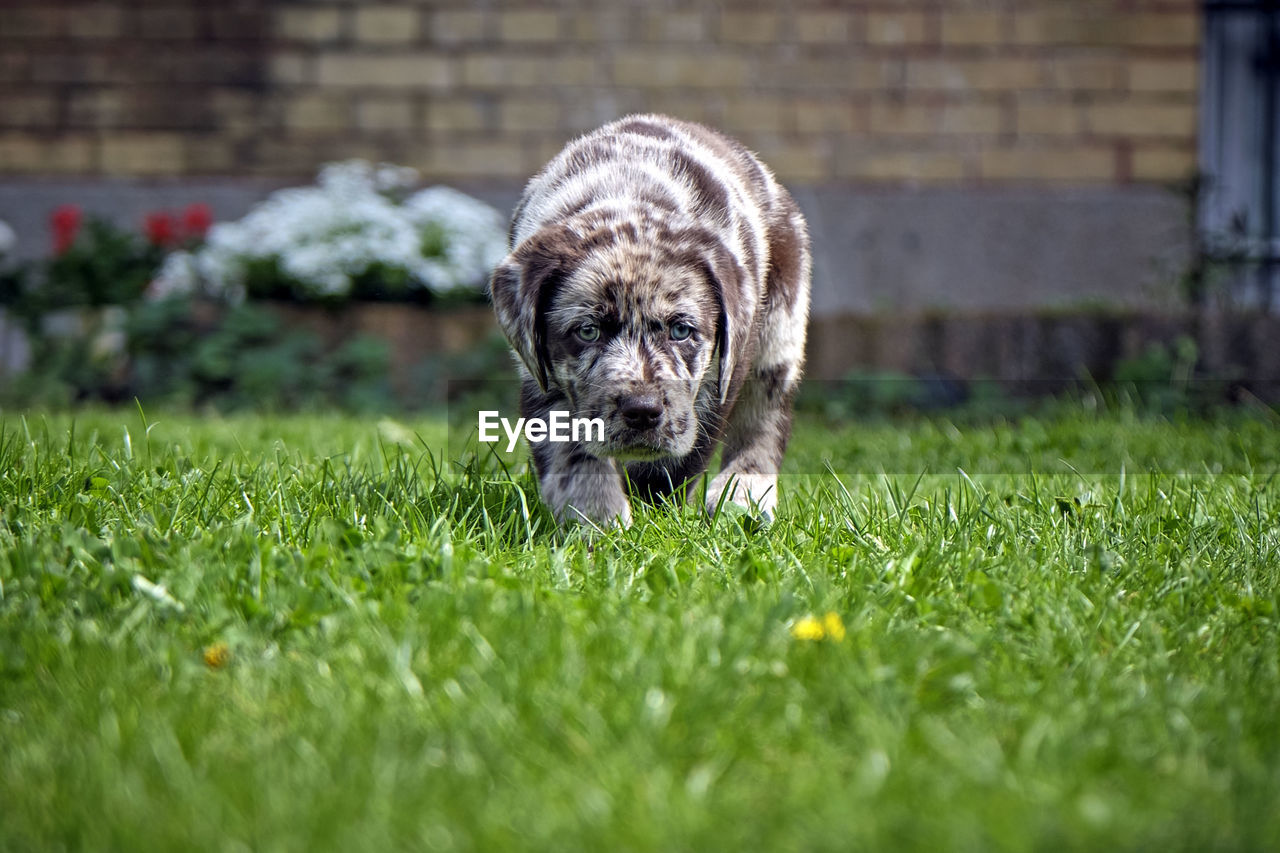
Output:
[[725, 275], [522, 288]]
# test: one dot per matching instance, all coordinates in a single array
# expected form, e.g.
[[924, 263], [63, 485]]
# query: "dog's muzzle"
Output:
[[639, 425], [641, 412]]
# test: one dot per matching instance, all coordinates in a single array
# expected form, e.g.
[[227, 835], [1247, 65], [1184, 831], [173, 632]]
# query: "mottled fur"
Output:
[[658, 279]]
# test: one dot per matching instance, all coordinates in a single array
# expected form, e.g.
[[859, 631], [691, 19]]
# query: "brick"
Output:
[[757, 113], [582, 114], [95, 22], [143, 154], [386, 24], [1162, 29], [408, 71], [836, 74], [827, 116], [475, 158], [1163, 164], [457, 26], [314, 111], [825, 27], [207, 154], [972, 118], [1054, 118], [309, 24], [1087, 73], [601, 24], [901, 118], [749, 27], [910, 167], [658, 69], [984, 75], [211, 64], [704, 107], [302, 155], [892, 28], [1142, 119], [29, 153], [166, 22], [101, 108], [971, 28], [521, 114], [1174, 75], [795, 160], [235, 111], [955, 118], [290, 68], [672, 26], [15, 64], [1070, 164], [32, 22], [248, 22], [385, 113], [541, 25], [165, 108], [1150, 29], [503, 70], [77, 67], [457, 114], [543, 150], [32, 110]]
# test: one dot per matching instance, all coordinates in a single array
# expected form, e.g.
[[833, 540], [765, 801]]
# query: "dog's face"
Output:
[[631, 331]]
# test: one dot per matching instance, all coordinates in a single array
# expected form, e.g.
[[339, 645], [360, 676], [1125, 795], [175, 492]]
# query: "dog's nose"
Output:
[[641, 411]]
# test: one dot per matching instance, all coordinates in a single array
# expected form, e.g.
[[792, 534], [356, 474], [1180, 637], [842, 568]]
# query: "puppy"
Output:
[[658, 280]]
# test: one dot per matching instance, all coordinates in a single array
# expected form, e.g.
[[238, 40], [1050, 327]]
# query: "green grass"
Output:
[[1071, 643]]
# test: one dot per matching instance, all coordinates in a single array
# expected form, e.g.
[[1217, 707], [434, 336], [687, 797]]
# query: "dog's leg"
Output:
[[577, 486], [759, 424], [754, 440], [581, 488]]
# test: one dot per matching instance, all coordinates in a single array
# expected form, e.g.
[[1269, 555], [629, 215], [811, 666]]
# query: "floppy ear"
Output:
[[522, 288], [726, 276]]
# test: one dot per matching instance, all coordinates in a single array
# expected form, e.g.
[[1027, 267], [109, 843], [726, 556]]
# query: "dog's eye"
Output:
[[589, 333], [680, 331]]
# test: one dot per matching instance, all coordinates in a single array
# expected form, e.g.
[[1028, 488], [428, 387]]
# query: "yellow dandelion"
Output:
[[829, 627], [808, 628], [833, 626], [217, 655]]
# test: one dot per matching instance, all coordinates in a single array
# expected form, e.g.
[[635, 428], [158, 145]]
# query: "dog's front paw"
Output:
[[592, 499], [600, 516], [755, 493]]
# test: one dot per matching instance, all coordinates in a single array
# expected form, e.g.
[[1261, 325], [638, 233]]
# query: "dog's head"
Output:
[[634, 328]]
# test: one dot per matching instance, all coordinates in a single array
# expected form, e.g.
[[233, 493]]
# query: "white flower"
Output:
[[321, 239], [469, 235], [178, 276]]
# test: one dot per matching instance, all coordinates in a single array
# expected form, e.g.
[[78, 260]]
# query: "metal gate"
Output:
[[1240, 150]]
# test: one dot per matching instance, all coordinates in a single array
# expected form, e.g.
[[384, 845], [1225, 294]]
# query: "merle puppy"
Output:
[[658, 279]]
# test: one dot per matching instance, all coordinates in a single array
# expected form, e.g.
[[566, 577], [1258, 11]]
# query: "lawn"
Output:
[[318, 633]]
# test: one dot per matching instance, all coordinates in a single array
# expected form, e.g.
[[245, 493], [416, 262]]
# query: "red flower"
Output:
[[65, 221], [160, 229], [196, 220]]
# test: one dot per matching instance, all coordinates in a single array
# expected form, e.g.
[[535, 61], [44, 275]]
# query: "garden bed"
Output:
[[413, 334]]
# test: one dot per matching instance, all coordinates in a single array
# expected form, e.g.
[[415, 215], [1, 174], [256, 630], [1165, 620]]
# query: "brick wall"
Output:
[[917, 92]]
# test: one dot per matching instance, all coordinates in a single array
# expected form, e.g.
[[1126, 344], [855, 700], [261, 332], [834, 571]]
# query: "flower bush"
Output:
[[94, 263], [360, 233]]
